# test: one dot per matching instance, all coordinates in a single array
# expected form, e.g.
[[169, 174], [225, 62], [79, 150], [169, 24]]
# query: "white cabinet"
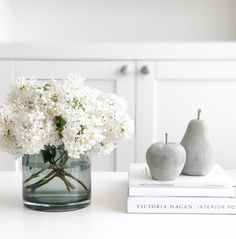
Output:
[[168, 98], [164, 85], [104, 75], [145, 108]]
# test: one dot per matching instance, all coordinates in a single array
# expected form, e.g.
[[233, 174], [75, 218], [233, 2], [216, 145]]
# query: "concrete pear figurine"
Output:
[[200, 153], [165, 160]]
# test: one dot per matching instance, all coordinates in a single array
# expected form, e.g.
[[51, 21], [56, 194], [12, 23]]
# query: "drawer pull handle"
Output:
[[125, 70], [145, 70]]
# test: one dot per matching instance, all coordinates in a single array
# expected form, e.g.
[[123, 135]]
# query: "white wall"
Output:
[[5, 21], [119, 20]]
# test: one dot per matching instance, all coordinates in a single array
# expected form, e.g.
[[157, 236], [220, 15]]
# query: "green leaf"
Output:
[[54, 98], [60, 123], [76, 103], [8, 133], [46, 87], [22, 88], [81, 131], [49, 153]]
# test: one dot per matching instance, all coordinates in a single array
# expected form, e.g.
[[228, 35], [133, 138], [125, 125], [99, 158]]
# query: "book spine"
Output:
[[186, 184], [181, 205], [181, 192]]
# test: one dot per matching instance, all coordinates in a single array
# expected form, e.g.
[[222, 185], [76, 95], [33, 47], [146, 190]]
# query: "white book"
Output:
[[181, 205], [181, 192], [139, 176]]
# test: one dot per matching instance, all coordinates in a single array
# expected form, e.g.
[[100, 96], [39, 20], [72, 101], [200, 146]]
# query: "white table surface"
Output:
[[106, 217]]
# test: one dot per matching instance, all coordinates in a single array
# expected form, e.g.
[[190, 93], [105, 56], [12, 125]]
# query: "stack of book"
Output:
[[210, 194]]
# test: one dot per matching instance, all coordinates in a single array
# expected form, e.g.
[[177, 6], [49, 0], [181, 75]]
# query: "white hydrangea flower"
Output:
[[7, 139], [68, 112]]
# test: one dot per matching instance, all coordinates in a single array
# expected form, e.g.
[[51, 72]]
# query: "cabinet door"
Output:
[[168, 98], [184, 86], [6, 76], [145, 108], [104, 75]]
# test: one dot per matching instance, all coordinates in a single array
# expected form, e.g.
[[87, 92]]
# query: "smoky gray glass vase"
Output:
[[53, 181]]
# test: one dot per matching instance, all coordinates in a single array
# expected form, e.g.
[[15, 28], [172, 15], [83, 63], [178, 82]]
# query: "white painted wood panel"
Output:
[[183, 87], [196, 69], [145, 109], [59, 69], [119, 51], [162, 101]]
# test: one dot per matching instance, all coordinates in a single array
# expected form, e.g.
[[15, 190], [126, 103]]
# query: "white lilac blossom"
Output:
[[67, 113]]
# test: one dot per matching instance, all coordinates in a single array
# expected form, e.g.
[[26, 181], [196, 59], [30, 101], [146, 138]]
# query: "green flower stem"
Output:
[[56, 171], [34, 175], [68, 184], [77, 180], [42, 181], [61, 173]]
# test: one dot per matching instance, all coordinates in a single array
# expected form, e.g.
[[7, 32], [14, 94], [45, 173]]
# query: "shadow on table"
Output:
[[112, 196]]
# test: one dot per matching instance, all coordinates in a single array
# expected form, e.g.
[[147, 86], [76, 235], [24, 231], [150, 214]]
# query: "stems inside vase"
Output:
[[57, 169]]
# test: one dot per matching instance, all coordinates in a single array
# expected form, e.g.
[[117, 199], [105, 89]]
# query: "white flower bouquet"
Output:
[[67, 113], [56, 127]]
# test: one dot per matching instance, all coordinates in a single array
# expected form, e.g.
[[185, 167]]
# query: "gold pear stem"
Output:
[[166, 138], [199, 114]]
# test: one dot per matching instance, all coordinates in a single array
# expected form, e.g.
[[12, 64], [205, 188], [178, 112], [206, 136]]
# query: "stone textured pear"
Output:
[[165, 160], [200, 153]]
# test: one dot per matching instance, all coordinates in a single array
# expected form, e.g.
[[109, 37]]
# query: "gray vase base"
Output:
[[54, 207]]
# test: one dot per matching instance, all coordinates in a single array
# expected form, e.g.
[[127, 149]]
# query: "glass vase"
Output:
[[53, 181]]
